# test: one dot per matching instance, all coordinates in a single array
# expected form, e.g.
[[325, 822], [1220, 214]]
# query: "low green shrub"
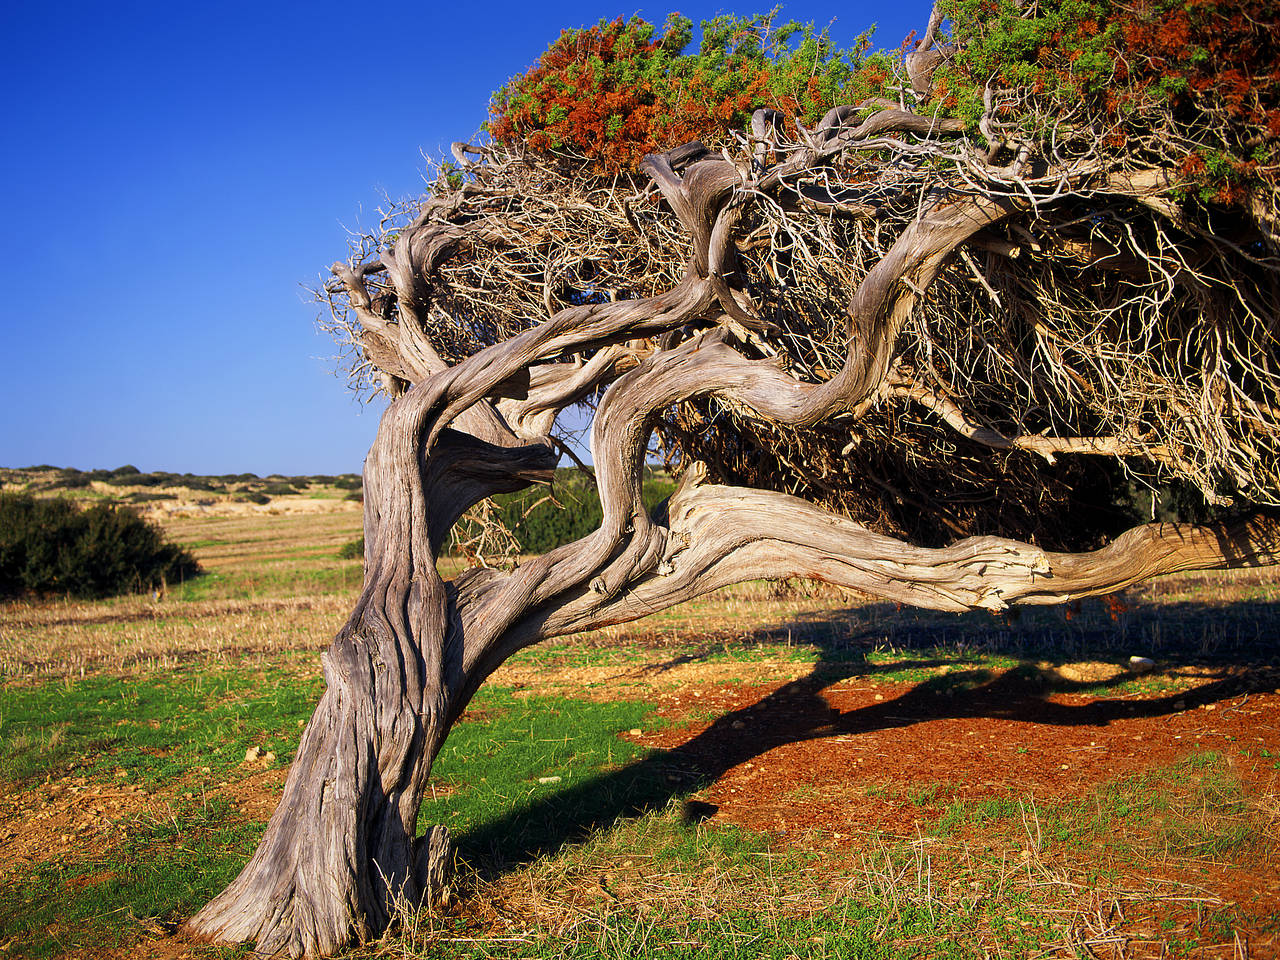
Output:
[[279, 489], [143, 496], [354, 550], [541, 523], [50, 546]]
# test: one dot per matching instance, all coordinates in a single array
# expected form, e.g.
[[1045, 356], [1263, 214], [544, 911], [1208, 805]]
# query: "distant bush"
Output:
[[357, 495], [133, 480], [50, 546], [352, 551], [127, 469], [541, 523], [279, 489], [142, 496], [253, 497], [348, 482], [71, 481]]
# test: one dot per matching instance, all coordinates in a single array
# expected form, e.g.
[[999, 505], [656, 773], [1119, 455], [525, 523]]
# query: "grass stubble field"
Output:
[[779, 770]]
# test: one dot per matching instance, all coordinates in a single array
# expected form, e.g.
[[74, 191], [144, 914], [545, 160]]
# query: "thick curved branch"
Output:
[[720, 535], [554, 386]]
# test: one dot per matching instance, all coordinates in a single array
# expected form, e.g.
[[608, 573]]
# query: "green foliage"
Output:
[[612, 92], [352, 550], [49, 546], [1133, 70], [615, 91], [542, 521]]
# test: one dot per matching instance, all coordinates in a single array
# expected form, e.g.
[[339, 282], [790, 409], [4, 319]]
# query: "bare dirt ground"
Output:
[[828, 759]]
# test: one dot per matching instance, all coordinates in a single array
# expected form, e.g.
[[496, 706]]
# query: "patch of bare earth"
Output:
[[65, 816], [836, 765]]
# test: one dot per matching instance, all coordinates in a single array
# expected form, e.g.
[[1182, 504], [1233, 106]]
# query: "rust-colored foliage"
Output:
[[1195, 82], [615, 91], [1216, 58]]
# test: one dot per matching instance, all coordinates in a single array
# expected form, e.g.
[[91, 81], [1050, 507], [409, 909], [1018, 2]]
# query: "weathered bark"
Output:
[[341, 852]]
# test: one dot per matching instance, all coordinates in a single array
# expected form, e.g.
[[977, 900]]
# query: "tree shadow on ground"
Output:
[[1217, 651]]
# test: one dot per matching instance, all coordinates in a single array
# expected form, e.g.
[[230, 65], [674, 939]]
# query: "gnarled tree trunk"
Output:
[[340, 851]]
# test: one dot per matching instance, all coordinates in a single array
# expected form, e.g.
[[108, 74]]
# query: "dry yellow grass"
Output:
[[275, 585]]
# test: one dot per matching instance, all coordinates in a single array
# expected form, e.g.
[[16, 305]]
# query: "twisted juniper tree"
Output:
[[910, 325]]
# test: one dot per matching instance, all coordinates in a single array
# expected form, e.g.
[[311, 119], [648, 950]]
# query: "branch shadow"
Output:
[[1217, 651]]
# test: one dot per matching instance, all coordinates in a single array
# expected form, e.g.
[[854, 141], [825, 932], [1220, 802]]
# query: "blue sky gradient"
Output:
[[176, 175]]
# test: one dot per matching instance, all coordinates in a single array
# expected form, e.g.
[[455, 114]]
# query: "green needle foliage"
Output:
[[615, 91]]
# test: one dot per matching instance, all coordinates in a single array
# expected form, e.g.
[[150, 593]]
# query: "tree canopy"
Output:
[[1037, 105]]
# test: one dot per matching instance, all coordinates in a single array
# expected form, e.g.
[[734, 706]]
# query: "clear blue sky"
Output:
[[175, 174]]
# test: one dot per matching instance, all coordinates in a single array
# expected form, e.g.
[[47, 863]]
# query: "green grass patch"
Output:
[[522, 775], [283, 577], [154, 729], [1197, 807], [161, 872]]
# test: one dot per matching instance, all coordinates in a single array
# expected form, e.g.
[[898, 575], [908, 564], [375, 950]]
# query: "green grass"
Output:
[[156, 729], [531, 773], [313, 573], [1196, 807], [159, 874]]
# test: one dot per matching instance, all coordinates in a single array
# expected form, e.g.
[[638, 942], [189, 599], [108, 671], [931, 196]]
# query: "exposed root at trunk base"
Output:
[[288, 921]]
